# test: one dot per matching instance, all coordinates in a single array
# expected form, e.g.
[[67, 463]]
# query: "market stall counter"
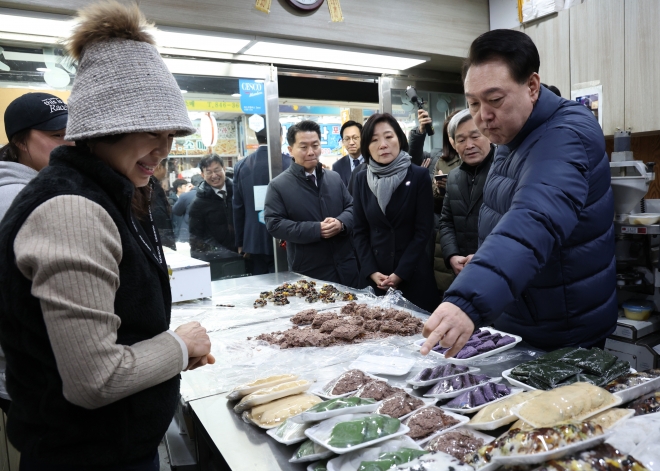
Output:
[[251, 340]]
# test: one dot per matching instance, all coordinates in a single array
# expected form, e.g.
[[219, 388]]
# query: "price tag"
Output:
[[633, 230], [263, 5], [335, 11]]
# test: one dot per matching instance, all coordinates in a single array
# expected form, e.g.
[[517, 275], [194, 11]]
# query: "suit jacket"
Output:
[[294, 210], [251, 234], [212, 223], [351, 182], [395, 242], [181, 209], [344, 168]]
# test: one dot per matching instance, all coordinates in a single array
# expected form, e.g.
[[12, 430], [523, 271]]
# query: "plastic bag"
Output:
[[246, 389], [349, 430], [387, 460], [647, 404], [310, 451], [602, 457], [289, 431], [594, 361], [573, 402], [440, 371], [477, 397], [428, 421], [377, 390], [350, 461], [550, 374], [456, 443], [340, 403], [502, 409], [262, 396], [347, 382], [399, 404], [274, 413], [457, 383], [437, 461]]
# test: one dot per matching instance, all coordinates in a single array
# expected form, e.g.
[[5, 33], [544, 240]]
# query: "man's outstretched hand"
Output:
[[448, 325]]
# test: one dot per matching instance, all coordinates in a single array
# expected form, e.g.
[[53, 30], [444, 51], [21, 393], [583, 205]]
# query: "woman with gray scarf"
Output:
[[393, 214]]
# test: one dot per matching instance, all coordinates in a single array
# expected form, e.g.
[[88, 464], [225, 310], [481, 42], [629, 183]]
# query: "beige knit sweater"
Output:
[[70, 249]]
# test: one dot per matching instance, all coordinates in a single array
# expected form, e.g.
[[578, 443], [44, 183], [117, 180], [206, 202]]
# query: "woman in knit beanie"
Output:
[[92, 369]]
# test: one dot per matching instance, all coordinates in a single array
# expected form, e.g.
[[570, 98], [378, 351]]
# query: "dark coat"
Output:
[[162, 214], [42, 423], [351, 182], [294, 210], [395, 242], [251, 234], [212, 222], [344, 168], [181, 209], [459, 222], [545, 268]]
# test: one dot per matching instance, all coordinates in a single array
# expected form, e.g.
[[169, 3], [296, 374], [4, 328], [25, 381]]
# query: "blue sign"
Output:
[[252, 96], [330, 138]]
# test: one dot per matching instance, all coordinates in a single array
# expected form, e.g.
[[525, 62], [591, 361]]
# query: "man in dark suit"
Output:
[[311, 209], [252, 237], [350, 133]]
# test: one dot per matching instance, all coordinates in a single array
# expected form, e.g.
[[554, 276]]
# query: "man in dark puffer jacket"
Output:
[[458, 234], [546, 271]]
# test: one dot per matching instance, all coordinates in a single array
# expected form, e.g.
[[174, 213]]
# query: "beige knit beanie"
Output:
[[122, 84]]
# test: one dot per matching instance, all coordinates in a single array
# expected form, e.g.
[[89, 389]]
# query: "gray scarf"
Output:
[[384, 180]]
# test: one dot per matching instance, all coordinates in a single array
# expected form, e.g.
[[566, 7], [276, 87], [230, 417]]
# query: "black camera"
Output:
[[411, 93]]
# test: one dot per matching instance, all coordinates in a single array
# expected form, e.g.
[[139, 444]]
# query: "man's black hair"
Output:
[[348, 124], [553, 89], [302, 126], [514, 48], [370, 126], [178, 183], [208, 160]]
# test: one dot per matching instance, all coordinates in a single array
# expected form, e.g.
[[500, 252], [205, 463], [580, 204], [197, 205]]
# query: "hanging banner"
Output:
[[335, 11], [263, 5], [252, 96]]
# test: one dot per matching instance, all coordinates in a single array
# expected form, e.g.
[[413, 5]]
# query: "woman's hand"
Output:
[[393, 280], [379, 279]]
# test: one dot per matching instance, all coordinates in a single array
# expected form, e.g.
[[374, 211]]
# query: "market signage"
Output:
[[252, 96], [206, 105]]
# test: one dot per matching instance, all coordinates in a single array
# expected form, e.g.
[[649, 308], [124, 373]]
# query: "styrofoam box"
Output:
[[191, 278]]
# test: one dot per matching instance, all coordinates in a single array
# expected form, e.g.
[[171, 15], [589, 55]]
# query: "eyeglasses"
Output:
[[351, 139], [208, 173]]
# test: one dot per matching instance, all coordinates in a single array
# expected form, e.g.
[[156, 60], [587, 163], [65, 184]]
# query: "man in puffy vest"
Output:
[[545, 267]]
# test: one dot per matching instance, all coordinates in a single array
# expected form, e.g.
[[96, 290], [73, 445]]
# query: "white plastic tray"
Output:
[[319, 416], [478, 408], [430, 382], [311, 434], [506, 374], [536, 458], [351, 460], [629, 394], [453, 394], [495, 424], [428, 401], [375, 364], [462, 420], [485, 437], [459, 361], [581, 418], [307, 459], [318, 389], [310, 467], [271, 432], [631, 412]]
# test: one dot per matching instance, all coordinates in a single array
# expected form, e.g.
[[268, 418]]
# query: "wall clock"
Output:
[[305, 5]]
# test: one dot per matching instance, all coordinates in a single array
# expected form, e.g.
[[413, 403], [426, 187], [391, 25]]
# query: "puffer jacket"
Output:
[[545, 268], [459, 222]]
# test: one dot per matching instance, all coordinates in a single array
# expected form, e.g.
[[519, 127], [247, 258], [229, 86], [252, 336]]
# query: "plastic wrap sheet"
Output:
[[639, 437], [241, 361]]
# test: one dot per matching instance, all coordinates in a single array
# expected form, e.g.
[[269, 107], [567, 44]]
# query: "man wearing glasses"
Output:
[[211, 218], [350, 136]]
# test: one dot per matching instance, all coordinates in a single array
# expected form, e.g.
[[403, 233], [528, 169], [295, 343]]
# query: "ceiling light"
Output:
[[42, 69], [23, 22], [194, 40], [236, 95], [337, 55], [184, 91]]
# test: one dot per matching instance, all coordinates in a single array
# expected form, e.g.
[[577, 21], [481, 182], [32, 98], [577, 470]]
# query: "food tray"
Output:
[[582, 418], [485, 437], [310, 467], [478, 408], [506, 374], [430, 382], [376, 364], [453, 394], [462, 420], [535, 458], [428, 401], [319, 416], [311, 434], [495, 424], [271, 432], [307, 459], [631, 413], [465, 361], [346, 460], [629, 394], [317, 390]]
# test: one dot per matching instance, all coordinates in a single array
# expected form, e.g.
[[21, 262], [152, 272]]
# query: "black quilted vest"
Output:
[[42, 423]]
